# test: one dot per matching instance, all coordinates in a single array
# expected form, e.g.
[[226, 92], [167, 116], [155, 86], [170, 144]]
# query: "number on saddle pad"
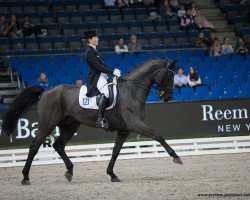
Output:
[[86, 101]]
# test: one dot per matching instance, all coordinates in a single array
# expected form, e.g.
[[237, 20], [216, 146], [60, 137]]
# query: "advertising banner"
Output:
[[174, 119]]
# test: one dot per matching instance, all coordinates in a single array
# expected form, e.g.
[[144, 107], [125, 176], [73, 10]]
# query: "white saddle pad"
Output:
[[90, 103]]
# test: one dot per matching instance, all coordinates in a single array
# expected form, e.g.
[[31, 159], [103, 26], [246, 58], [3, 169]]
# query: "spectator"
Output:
[[193, 78], [202, 22], [3, 26], [241, 47], [192, 11], [43, 81], [201, 41], [182, 12], [180, 80], [215, 50], [123, 3], [14, 28], [166, 12], [174, 5], [26, 26], [121, 47], [134, 46], [227, 49], [187, 23], [212, 38], [79, 82], [109, 3], [154, 16]]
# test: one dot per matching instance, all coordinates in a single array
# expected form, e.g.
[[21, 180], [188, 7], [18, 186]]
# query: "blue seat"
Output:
[[233, 66], [157, 54], [3, 107], [224, 59], [173, 46], [129, 56], [202, 90], [237, 58], [161, 25], [115, 15], [210, 59], [193, 33], [186, 91], [224, 81], [128, 14], [171, 54], [197, 97], [212, 96], [199, 52], [185, 54], [152, 97], [218, 68], [143, 56], [245, 31], [176, 92], [147, 26], [229, 94], [243, 94], [195, 61]]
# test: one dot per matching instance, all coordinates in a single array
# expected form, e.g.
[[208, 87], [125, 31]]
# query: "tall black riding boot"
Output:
[[101, 122]]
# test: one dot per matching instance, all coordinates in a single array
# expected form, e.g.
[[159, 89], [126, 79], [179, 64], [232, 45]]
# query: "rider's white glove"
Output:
[[117, 72]]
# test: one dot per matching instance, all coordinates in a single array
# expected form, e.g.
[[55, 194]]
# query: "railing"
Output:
[[130, 150]]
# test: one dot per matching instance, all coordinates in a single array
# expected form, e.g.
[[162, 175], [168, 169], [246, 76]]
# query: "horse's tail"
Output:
[[27, 98]]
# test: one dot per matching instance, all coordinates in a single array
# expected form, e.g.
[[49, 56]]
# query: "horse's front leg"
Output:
[[120, 139], [143, 129]]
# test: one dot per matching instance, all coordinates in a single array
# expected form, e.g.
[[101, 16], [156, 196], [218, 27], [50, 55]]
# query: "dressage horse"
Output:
[[59, 106]]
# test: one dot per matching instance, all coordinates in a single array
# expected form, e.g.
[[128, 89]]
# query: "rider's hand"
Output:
[[117, 72]]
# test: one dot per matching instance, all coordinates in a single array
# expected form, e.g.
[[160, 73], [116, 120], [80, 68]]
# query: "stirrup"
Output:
[[102, 124]]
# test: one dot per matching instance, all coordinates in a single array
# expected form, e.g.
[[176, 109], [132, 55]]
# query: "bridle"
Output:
[[143, 86]]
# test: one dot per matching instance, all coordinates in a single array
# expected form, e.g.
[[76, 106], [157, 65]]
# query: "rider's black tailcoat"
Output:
[[96, 66]]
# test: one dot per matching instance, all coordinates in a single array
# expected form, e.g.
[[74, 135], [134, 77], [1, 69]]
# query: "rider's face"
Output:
[[94, 41]]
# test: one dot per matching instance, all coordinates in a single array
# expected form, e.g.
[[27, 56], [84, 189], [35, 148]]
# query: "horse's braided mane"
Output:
[[139, 65]]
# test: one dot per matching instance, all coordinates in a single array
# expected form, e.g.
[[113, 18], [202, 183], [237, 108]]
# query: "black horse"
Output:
[[59, 106]]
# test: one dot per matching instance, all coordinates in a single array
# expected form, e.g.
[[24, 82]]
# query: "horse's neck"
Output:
[[141, 82], [141, 75]]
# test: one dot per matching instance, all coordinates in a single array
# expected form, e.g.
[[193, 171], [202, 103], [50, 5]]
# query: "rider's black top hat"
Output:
[[89, 34]]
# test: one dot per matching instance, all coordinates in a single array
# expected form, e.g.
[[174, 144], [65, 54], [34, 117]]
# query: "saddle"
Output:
[[93, 102]]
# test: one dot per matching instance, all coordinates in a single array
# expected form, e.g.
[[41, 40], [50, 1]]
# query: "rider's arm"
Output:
[[91, 56]]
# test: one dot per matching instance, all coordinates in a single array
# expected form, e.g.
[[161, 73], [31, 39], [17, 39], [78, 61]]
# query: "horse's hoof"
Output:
[[25, 182], [115, 179], [178, 161], [68, 176]]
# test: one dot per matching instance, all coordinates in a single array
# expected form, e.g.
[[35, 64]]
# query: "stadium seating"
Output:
[[67, 18], [222, 77], [237, 14]]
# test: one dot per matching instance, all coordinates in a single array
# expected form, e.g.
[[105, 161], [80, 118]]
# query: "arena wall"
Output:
[[172, 120]]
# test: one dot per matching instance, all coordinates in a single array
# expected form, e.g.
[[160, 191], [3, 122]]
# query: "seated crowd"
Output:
[[191, 80], [43, 81], [12, 28], [215, 47]]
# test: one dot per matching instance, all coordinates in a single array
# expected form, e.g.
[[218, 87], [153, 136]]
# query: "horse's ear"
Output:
[[172, 65]]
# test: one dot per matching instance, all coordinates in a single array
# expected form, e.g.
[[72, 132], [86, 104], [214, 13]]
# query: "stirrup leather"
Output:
[[103, 123]]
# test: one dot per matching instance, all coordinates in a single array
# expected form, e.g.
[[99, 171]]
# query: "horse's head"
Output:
[[165, 80]]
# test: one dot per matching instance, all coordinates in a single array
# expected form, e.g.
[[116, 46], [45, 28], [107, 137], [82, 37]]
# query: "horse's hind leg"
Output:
[[68, 128], [120, 139], [43, 132]]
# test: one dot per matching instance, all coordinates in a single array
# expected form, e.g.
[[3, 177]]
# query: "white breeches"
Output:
[[102, 84]]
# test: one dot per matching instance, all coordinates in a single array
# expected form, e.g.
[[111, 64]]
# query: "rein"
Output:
[[145, 87]]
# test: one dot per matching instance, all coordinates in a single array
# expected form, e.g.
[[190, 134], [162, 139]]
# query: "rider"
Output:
[[97, 77]]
